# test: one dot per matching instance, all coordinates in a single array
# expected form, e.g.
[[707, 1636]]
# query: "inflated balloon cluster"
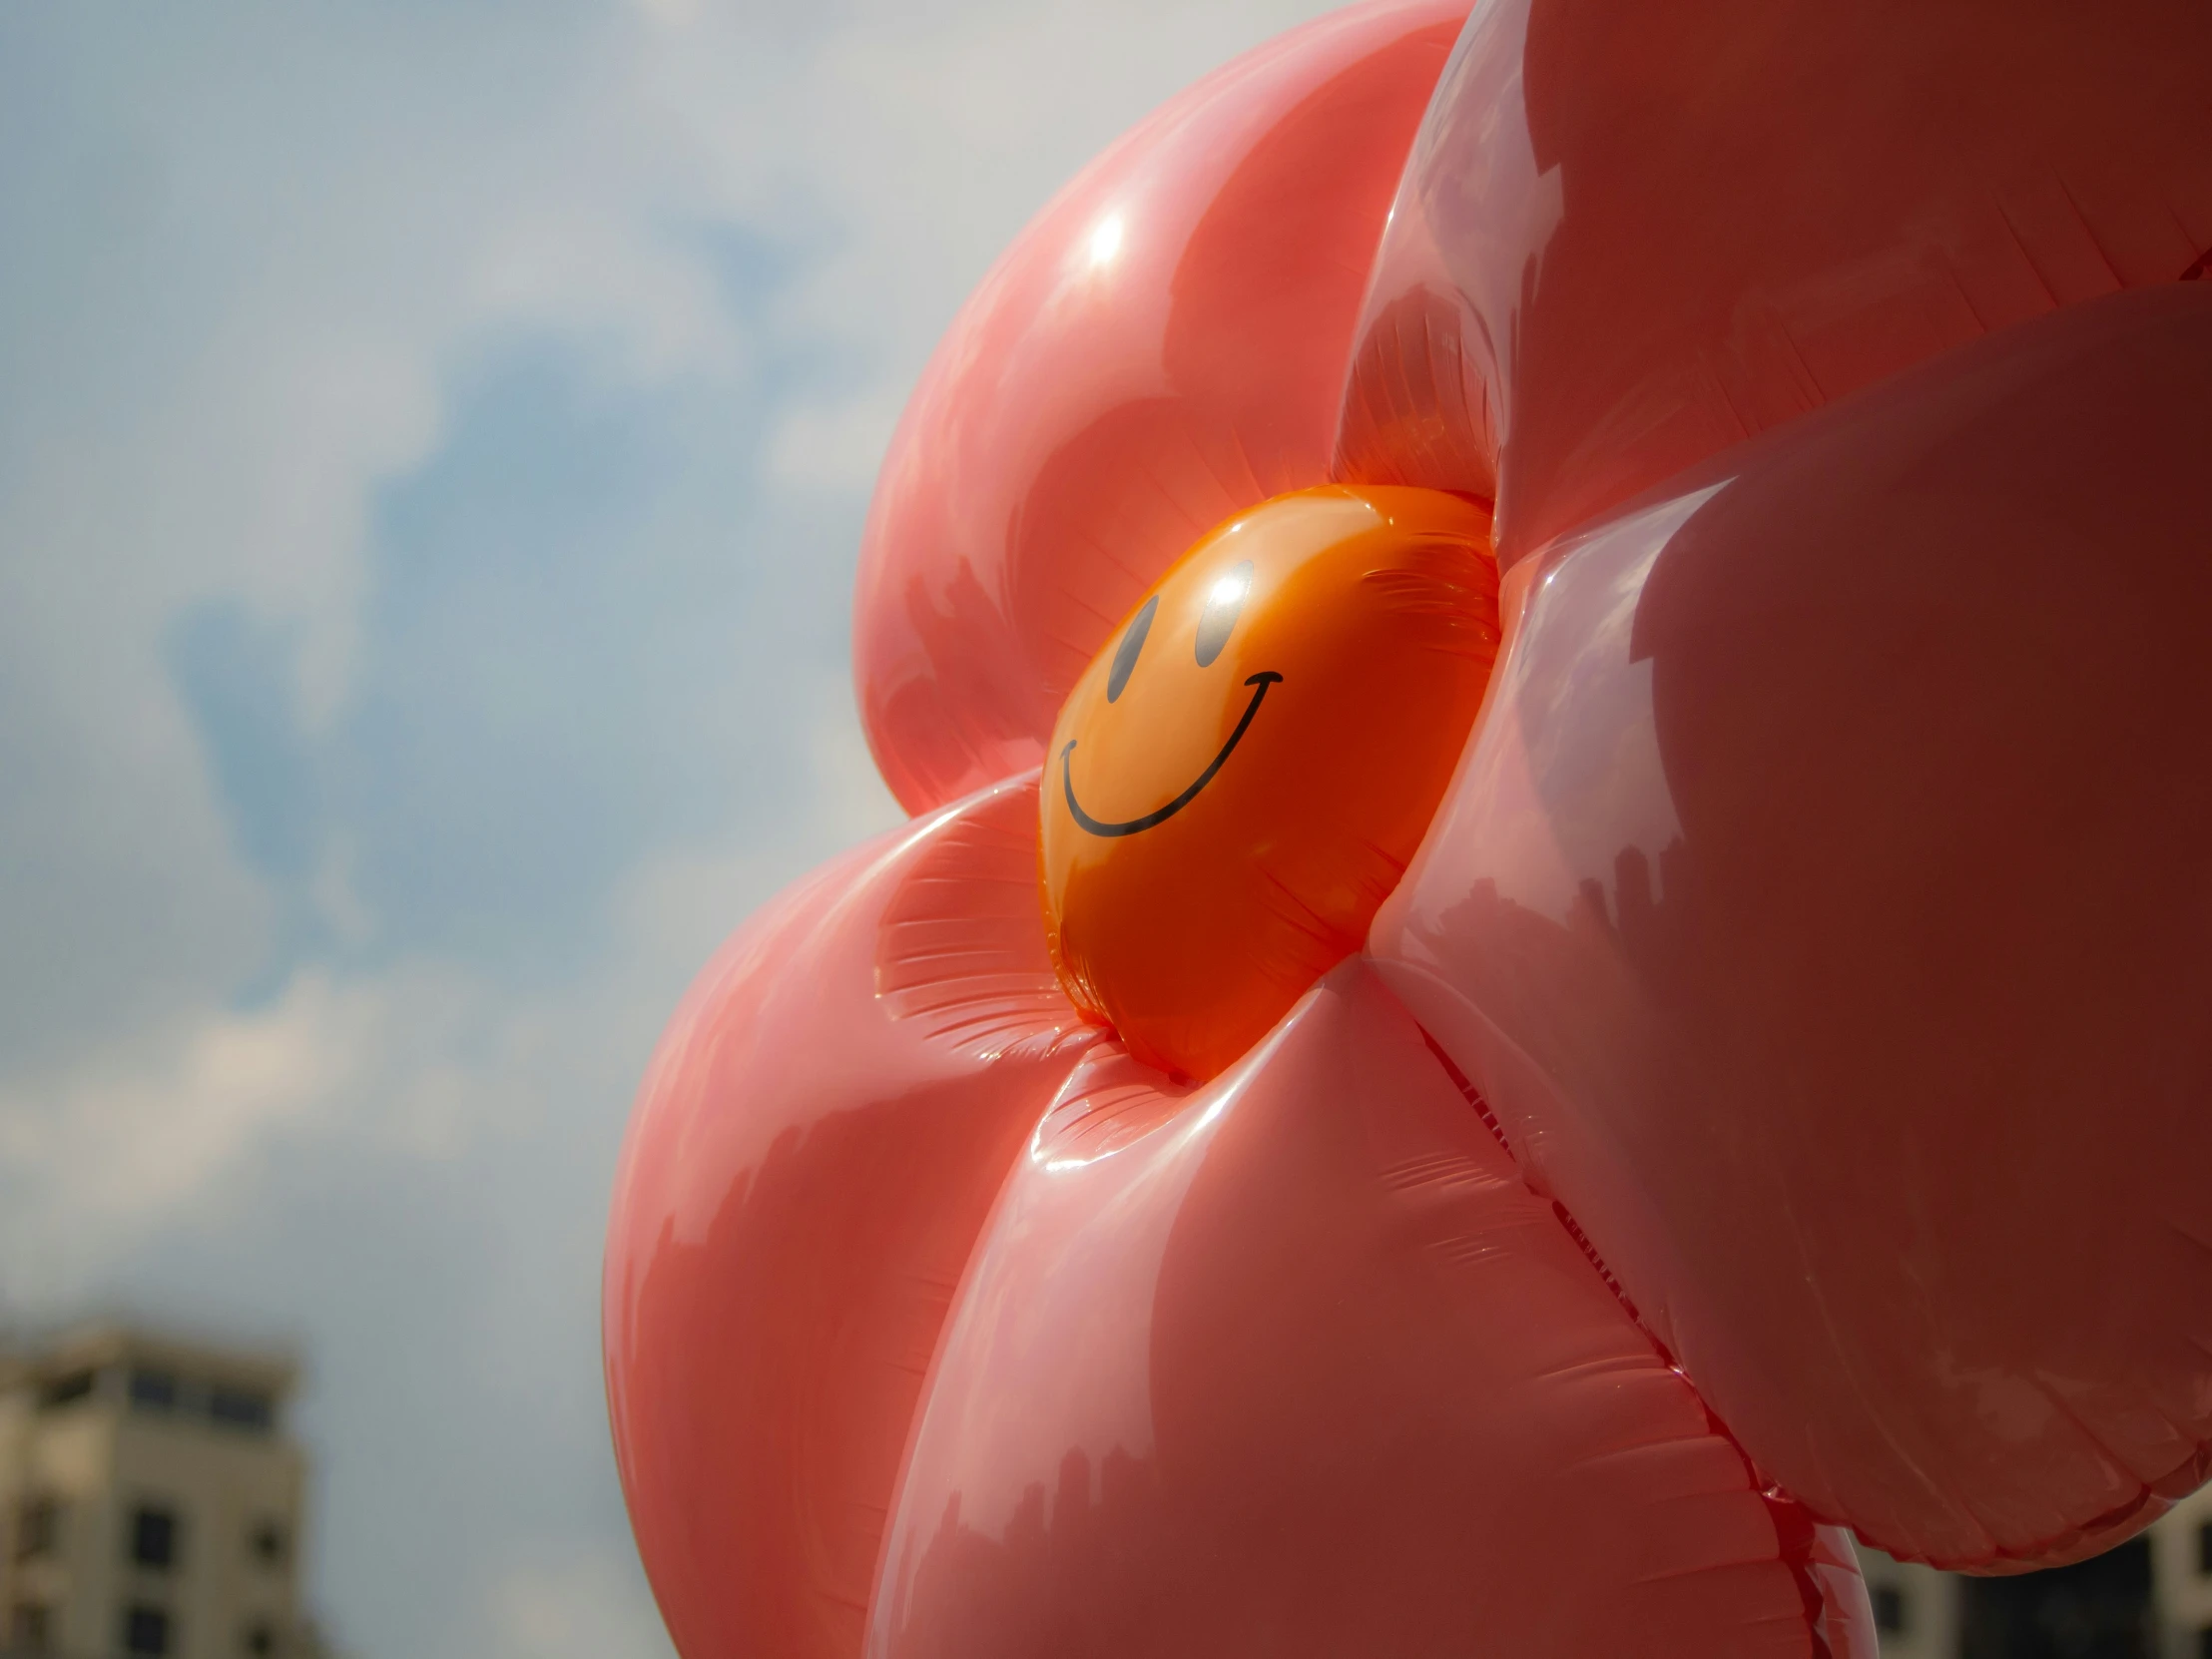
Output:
[[1555, 939]]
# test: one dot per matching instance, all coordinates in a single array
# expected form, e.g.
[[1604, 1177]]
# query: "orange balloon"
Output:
[[1241, 777]]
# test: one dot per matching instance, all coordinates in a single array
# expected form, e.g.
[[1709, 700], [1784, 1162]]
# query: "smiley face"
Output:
[[1240, 777], [1225, 600]]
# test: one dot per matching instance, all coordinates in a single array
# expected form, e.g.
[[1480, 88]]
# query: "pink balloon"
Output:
[[1633, 235], [1819, 912], [1823, 909], [811, 1156], [1296, 1365], [1162, 348]]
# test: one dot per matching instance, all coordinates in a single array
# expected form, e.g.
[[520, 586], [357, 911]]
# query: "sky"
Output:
[[434, 440]]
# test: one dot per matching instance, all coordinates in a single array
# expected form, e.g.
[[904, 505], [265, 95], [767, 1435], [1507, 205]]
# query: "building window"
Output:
[[1888, 1608], [38, 1528], [154, 1391], [241, 1408], [154, 1536], [66, 1390], [266, 1542], [31, 1629], [145, 1629], [261, 1639]]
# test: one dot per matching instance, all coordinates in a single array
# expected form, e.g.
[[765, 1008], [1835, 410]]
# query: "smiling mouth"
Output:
[[1130, 826]]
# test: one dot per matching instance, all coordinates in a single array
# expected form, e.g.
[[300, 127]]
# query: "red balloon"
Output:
[[1819, 910], [1821, 907], [1162, 348], [1297, 1366], [1633, 235], [811, 1156]]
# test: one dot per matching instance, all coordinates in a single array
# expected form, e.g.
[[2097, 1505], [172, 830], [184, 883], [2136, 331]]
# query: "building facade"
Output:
[[151, 1501], [2152, 1598]]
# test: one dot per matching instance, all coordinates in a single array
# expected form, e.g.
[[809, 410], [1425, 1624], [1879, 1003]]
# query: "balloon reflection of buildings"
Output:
[[151, 1501], [2149, 1598]]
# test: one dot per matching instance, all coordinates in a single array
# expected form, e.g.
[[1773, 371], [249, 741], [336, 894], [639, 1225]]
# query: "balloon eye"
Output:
[[1125, 659], [1222, 604]]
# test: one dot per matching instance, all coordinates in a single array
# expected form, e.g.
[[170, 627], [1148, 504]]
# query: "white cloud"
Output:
[[169, 1124], [421, 1061], [119, 1143], [591, 1606], [838, 447]]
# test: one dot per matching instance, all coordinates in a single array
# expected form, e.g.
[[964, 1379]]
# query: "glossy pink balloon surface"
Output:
[[1633, 235], [1772, 1101], [1163, 347], [1304, 1368], [822, 1131], [1822, 907]]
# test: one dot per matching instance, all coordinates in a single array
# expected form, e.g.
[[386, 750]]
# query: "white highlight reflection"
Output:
[[1106, 240]]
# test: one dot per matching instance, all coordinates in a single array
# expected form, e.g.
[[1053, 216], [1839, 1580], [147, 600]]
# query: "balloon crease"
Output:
[[1794, 1525]]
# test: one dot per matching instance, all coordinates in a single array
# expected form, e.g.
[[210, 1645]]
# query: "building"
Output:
[[151, 1501], [2152, 1598]]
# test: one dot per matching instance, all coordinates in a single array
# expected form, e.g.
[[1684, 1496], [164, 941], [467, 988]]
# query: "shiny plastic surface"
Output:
[[1244, 772], [1823, 909], [1633, 234], [1162, 348], [813, 1153], [1304, 1368]]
